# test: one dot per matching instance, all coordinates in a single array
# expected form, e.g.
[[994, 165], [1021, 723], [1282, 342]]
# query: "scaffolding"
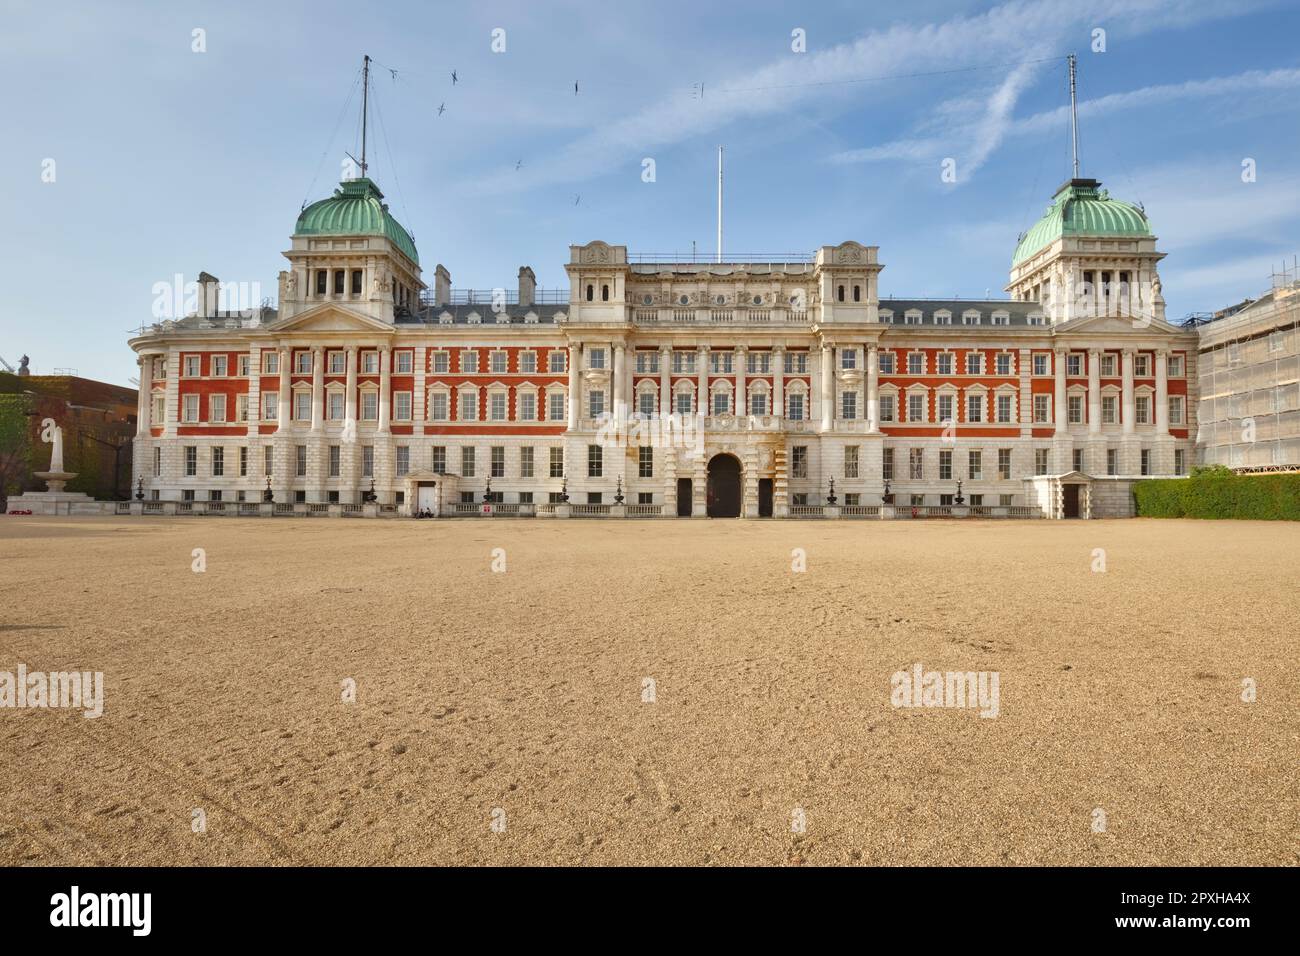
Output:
[[1249, 373]]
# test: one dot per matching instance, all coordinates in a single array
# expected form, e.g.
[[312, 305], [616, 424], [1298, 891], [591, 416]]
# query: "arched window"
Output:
[[857, 293], [591, 292], [839, 293], [604, 293]]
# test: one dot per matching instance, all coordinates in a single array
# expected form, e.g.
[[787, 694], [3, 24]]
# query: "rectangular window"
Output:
[[403, 460], [467, 461], [915, 363], [556, 361], [975, 408], [499, 362], [191, 461], [595, 461], [191, 366], [595, 358], [1142, 409], [159, 409], [367, 461], [337, 362], [1146, 461], [915, 464], [758, 402], [190, 408], [1180, 461], [356, 281], [1004, 464], [527, 362], [1175, 366], [887, 464], [1112, 461], [241, 407], [945, 408], [1074, 365], [1040, 461], [270, 406], [497, 406], [438, 406], [300, 461], [271, 363], [497, 461], [799, 461], [645, 404], [720, 362], [945, 464], [438, 459], [403, 362], [850, 461], [1040, 364], [645, 497], [1004, 408], [1077, 462], [886, 360], [334, 409], [526, 462], [302, 362], [219, 366], [302, 406], [1109, 409], [975, 465], [974, 363], [527, 407], [1107, 366], [645, 462], [795, 402], [268, 461], [1003, 361], [849, 405], [1042, 408], [441, 363], [336, 461], [721, 403], [216, 408], [848, 358], [1141, 366], [556, 410], [886, 407], [759, 363], [943, 363], [1175, 409], [243, 461], [595, 403], [157, 462], [468, 361], [468, 406], [556, 464], [916, 408], [1074, 409], [684, 363]]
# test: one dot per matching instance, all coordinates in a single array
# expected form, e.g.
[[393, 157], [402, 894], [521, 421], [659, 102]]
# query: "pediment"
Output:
[[330, 318], [1117, 325]]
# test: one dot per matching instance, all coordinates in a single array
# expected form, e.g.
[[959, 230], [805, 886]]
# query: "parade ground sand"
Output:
[[501, 717]]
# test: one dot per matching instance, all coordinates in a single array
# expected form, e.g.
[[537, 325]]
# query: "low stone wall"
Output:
[[1112, 498]]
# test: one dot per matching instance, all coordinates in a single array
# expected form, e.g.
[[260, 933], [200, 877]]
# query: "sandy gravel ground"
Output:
[[517, 697]]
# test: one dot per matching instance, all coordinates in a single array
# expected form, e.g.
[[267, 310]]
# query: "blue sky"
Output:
[[170, 161]]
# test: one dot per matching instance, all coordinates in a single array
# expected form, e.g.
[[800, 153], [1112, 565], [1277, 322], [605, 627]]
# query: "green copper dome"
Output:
[[356, 209], [1080, 208]]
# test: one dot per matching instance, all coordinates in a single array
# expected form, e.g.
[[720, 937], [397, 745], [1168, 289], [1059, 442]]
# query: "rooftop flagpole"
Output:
[[719, 203], [365, 108], [1074, 117]]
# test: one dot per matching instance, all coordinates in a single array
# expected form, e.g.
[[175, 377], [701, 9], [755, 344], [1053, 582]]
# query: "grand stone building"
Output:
[[683, 388]]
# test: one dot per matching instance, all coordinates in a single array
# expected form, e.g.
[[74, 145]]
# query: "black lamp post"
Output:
[[959, 499], [268, 496], [487, 492], [139, 489], [887, 498], [370, 496], [830, 498], [564, 489], [618, 492]]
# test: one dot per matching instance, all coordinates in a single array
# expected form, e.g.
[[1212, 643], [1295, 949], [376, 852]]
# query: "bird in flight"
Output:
[[575, 87], [577, 199], [442, 108], [519, 165], [454, 78]]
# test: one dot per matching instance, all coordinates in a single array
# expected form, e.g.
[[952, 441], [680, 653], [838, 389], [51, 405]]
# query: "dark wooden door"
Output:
[[684, 497], [765, 497], [1070, 498]]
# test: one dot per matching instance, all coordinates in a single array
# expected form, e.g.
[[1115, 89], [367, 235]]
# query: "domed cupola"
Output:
[[1090, 254], [1082, 208], [356, 209]]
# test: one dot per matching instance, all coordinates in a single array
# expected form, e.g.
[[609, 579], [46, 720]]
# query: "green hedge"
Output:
[[1216, 492]]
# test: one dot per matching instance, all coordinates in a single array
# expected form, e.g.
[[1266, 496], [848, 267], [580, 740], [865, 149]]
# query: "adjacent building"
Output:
[[685, 388]]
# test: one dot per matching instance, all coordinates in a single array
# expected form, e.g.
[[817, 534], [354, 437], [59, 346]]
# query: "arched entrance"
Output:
[[723, 500]]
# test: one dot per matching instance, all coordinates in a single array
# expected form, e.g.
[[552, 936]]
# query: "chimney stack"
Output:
[[527, 286], [209, 295], [441, 286]]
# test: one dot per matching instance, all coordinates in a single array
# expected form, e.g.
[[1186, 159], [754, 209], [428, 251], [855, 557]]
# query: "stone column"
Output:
[[144, 401], [317, 390], [873, 390], [575, 387], [665, 382], [1127, 406], [385, 389], [778, 382], [172, 396], [286, 393], [828, 386], [1162, 393], [1058, 402], [616, 385], [702, 373], [349, 464], [741, 405], [1094, 392]]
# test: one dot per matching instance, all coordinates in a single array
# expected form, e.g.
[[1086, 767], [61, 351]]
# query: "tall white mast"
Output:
[[365, 108], [719, 203], [1074, 118]]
